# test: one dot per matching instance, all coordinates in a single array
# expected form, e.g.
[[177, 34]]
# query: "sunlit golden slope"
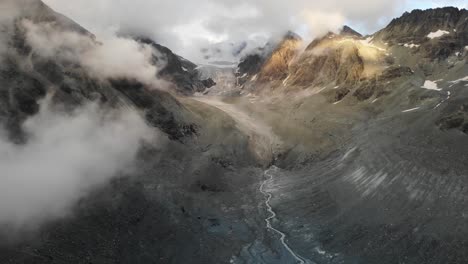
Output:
[[276, 68], [337, 58]]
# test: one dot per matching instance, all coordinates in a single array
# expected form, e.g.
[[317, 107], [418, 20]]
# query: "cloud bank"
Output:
[[66, 156], [187, 26], [110, 58]]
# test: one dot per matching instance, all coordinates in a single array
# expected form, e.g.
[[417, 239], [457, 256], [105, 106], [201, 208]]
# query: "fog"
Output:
[[112, 57], [65, 157]]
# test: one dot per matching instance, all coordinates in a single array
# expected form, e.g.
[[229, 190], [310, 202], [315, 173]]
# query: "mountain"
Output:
[[223, 76], [24, 86], [39, 12], [331, 152], [346, 30], [436, 33], [169, 192], [342, 58], [178, 70], [271, 62], [375, 129]]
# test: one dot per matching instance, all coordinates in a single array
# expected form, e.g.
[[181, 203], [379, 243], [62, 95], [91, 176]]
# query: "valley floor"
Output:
[[392, 194]]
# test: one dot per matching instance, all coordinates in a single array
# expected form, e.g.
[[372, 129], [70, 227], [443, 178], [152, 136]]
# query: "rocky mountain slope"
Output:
[[436, 33], [179, 71], [185, 184], [367, 135], [376, 129]]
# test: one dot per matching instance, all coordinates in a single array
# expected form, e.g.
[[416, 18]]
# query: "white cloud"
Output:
[[112, 57], [65, 157], [186, 26]]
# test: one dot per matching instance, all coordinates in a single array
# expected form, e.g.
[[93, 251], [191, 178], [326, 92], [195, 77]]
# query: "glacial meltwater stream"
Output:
[[272, 216]]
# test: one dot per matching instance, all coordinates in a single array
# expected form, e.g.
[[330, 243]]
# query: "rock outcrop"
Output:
[[177, 70], [437, 33]]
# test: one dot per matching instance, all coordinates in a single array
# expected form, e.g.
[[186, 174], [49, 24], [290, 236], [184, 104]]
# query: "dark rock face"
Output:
[[418, 24], [340, 94], [208, 83], [178, 70], [157, 105], [37, 11], [455, 120], [414, 28], [248, 67], [451, 122], [251, 64], [347, 31], [396, 72], [367, 89], [71, 85]]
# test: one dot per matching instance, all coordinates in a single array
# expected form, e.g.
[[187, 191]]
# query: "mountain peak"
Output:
[[350, 32], [440, 31], [290, 35]]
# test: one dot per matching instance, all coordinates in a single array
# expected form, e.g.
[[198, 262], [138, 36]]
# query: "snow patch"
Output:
[[439, 33], [430, 85], [411, 45], [410, 110], [464, 79], [348, 153], [321, 89], [449, 94], [368, 42]]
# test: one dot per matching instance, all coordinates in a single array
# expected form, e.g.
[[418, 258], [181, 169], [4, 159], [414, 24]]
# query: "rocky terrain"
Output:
[[179, 71], [352, 150]]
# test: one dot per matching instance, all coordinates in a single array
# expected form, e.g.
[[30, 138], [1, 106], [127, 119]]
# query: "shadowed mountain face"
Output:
[[182, 187], [179, 71], [352, 150], [437, 33]]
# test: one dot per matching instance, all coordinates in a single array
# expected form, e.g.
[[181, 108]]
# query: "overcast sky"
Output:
[[186, 26]]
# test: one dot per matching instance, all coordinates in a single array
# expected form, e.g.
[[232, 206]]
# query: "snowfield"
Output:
[[439, 33], [430, 85], [411, 45]]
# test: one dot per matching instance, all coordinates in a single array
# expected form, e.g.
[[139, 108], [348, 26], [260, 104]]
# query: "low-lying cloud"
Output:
[[111, 57], [189, 26], [65, 157]]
